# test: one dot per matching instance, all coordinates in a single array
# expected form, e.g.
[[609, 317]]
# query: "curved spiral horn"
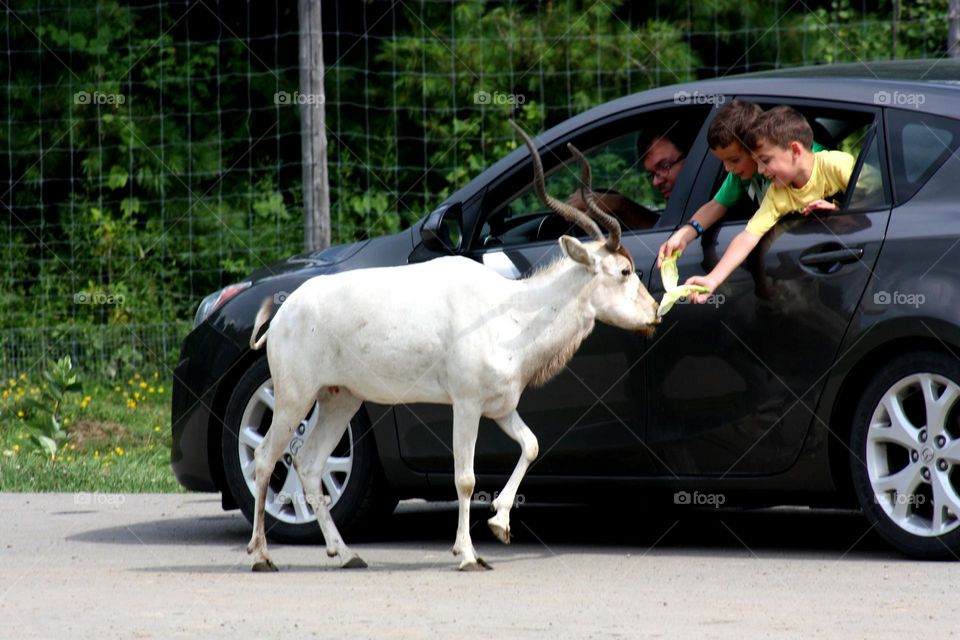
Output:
[[569, 213], [607, 221]]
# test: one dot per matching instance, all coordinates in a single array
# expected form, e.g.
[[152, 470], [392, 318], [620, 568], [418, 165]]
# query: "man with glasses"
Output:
[[663, 149]]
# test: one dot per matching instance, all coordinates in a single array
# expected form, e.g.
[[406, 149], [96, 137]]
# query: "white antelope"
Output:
[[448, 331]]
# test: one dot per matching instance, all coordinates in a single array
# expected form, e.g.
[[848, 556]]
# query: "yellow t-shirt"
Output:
[[831, 173]]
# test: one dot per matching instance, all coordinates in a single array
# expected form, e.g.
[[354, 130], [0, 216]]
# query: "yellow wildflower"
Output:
[[118, 451]]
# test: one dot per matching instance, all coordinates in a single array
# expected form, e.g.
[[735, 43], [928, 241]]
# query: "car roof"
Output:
[[931, 70]]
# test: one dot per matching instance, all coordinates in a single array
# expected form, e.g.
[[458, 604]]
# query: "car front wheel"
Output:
[[352, 477], [905, 454]]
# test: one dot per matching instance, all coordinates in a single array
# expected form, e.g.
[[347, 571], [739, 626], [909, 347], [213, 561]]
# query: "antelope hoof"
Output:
[[354, 562], [264, 566], [479, 565], [502, 532]]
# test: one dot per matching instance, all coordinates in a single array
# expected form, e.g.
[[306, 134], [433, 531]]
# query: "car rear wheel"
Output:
[[905, 454], [352, 477]]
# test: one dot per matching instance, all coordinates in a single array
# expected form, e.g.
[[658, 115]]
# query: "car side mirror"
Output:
[[442, 231]]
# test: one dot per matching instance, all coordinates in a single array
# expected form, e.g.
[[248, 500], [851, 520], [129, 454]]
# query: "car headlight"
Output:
[[216, 300]]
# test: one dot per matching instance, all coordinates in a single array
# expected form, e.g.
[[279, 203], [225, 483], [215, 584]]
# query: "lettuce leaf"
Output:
[[670, 276]]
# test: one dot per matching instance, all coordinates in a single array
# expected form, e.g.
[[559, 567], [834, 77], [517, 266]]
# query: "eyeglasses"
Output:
[[662, 168]]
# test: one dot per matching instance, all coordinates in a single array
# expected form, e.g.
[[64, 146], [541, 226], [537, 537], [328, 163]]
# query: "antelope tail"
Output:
[[262, 317]]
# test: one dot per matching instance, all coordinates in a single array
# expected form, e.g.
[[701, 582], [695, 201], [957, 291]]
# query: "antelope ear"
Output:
[[579, 253]]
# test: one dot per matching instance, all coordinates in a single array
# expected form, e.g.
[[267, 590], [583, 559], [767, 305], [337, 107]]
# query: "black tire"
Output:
[[366, 497], [900, 517]]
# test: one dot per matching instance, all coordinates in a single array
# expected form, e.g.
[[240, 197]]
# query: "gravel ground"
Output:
[[167, 566]]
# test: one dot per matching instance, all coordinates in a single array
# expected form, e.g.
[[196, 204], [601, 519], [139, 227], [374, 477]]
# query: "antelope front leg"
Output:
[[514, 427], [466, 423]]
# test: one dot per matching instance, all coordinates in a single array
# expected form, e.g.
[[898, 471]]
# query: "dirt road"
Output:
[[168, 566]]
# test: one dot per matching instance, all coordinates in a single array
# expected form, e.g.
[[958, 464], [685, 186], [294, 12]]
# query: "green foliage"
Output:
[[139, 198], [446, 65], [46, 419], [116, 442], [149, 163]]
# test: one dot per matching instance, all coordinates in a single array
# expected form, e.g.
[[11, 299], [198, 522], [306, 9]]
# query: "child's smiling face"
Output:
[[777, 163], [737, 160]]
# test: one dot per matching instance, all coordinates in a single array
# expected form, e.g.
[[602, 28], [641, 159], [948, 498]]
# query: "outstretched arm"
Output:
[[707, 216], [733, 257]]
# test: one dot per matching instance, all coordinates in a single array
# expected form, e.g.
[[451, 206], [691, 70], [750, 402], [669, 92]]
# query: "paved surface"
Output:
[[167, 566]]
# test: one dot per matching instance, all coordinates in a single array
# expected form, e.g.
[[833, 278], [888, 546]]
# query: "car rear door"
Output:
[[734, 383]]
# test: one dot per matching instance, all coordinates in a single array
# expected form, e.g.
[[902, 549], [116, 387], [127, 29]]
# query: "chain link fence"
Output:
[[152, 151]]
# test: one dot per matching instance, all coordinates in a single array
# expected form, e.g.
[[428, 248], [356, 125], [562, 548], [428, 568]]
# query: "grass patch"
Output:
[[118, 438]]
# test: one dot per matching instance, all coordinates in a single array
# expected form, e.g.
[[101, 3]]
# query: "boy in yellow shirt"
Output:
[[782, 142], [726, 136]]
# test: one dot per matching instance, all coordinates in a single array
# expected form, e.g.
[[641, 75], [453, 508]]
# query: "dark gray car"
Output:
[[823, 372]]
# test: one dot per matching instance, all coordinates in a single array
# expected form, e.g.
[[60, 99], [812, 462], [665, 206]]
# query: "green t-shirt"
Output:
[[734, 188]]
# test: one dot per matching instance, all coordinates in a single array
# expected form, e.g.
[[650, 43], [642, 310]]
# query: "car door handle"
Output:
[[832, 257]]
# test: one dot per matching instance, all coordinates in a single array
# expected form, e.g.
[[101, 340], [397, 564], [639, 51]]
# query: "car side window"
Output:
[[919, 143], [614, 167], [618, 179], [833, 129], [515, 215], [867, 192]]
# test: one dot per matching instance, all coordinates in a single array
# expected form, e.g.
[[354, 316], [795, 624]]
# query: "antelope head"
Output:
[[618, 295]]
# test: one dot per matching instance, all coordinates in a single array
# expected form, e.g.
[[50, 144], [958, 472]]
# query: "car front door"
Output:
[[589, 419]]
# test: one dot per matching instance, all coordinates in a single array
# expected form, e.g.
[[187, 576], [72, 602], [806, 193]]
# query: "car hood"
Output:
[[310, 261]]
